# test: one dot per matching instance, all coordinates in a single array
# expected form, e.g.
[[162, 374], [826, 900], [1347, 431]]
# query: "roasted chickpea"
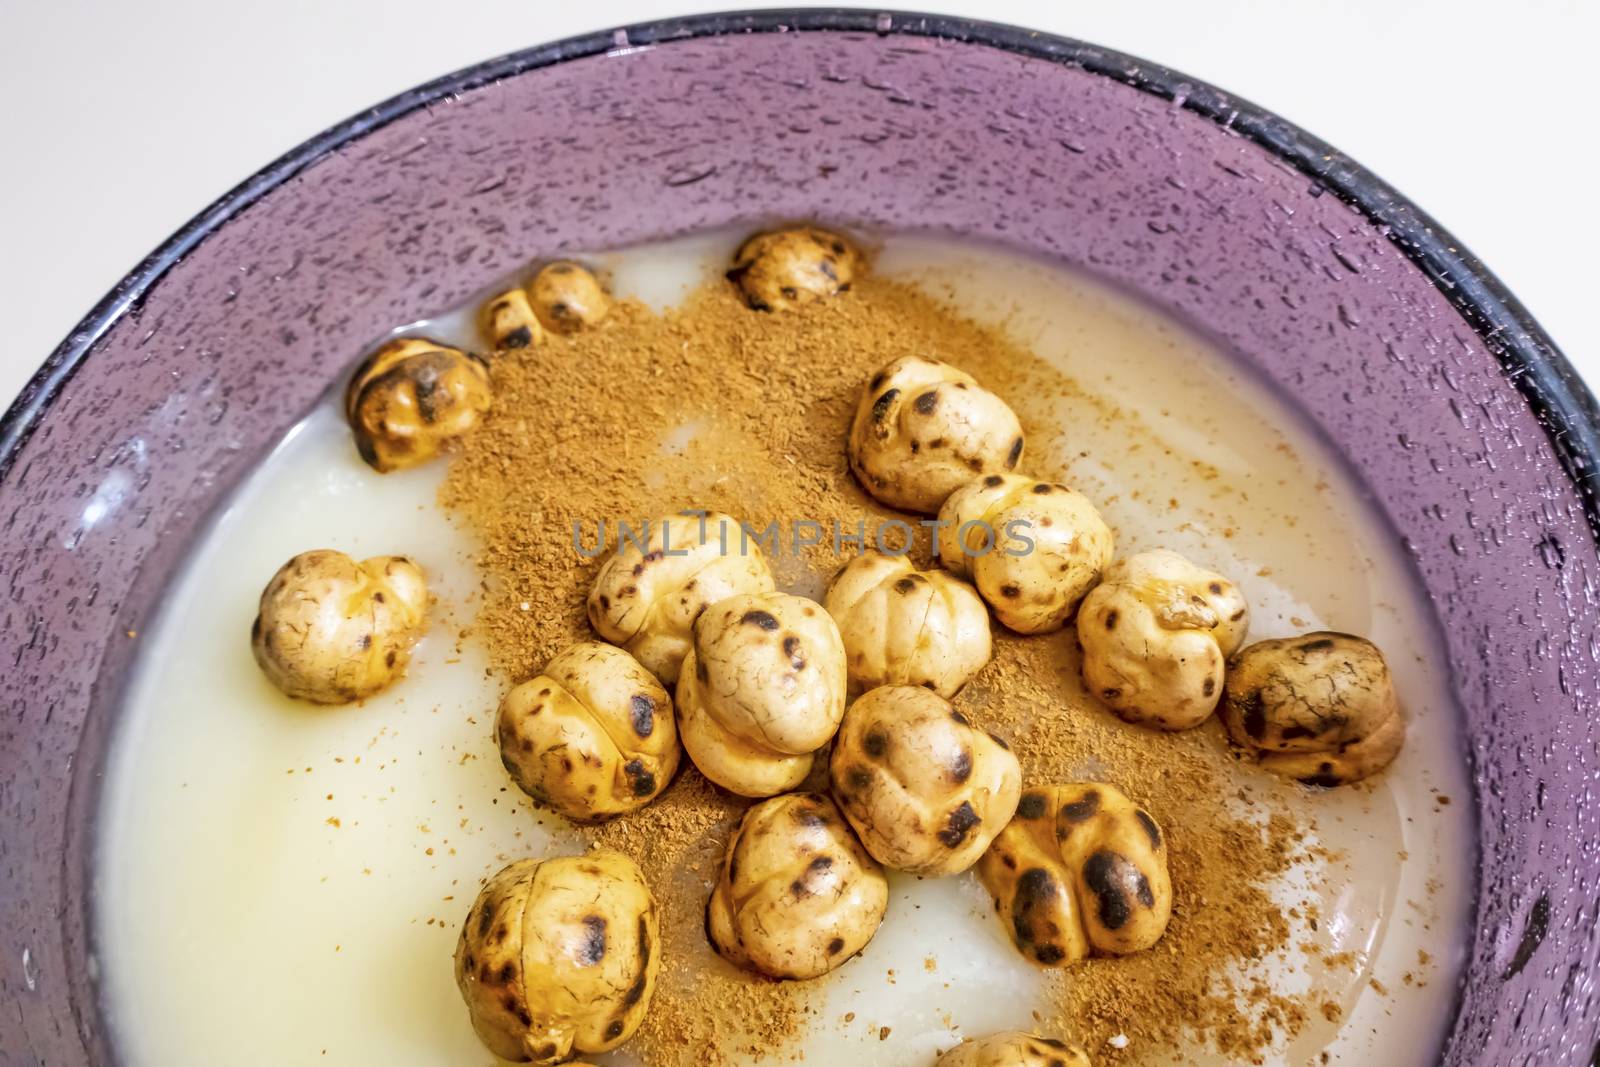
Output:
[[784, 269], [1320, 707], [925, 789], [508, 322], [762, 690], [647, 601], [798, 895], [591, 737], [902, 626], [1014, 1050], [331, 630], [1156, 634], [1081, 870], [413, 397], [559, 957], [567, 297], [1032, 548], [923, 429]]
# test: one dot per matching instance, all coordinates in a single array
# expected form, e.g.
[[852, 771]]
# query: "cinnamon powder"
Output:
[[583, 429]]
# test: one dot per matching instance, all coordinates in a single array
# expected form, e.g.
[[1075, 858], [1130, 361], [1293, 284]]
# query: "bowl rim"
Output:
[[1528, 358]]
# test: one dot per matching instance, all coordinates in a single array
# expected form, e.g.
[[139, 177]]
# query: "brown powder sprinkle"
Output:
[[701, 1002], [583, 430]]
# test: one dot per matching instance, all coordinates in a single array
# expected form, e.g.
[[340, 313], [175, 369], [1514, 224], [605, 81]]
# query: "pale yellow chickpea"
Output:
[[762, 690], [1155, 636], [902, 626], [1032, 548], [592, 736], [923, 429], [925, 790], [797, 895], [786, 269], [559, 957], [647, 598], [566, 297], [1014, 1049], [331, 630]]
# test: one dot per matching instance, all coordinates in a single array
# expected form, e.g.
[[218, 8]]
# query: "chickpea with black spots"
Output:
[[1080, 871], [559, 957], [797, 895], [508, 323], [761, 691], [332, 631], [1156, 634], [567, 297], [412, 398], [925, 790], [1320, 707], [923, 428], [1014, 1049], [1032, 548], [592, 736], [902, 626], [647, 597], [786, 269]]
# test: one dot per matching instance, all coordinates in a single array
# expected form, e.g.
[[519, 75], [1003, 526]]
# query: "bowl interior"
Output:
[[230, 334]]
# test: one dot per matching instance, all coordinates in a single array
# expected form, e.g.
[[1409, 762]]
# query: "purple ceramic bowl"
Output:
[[1468, 428]]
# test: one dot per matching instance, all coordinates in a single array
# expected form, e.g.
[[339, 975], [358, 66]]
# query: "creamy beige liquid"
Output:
[[281, 884]]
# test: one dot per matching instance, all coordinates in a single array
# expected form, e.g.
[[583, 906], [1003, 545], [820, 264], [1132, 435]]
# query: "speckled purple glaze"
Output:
[[1470, 435]]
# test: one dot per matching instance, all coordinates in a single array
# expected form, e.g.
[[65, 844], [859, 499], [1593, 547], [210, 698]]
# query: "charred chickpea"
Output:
[[411, 398], [1156, 633], [1014, 1050], [331, 630], [797, 895], [647, 598], [591, 737], [761, 690], [1080, 871], [559, 957], [508, 323], [1032, 548], [902, 626], [784, 269], [924, 789], [1320, 707], [568, 298], [923, 429]]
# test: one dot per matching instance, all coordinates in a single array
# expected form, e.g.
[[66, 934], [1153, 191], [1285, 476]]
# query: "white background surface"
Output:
[[121, 120]]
